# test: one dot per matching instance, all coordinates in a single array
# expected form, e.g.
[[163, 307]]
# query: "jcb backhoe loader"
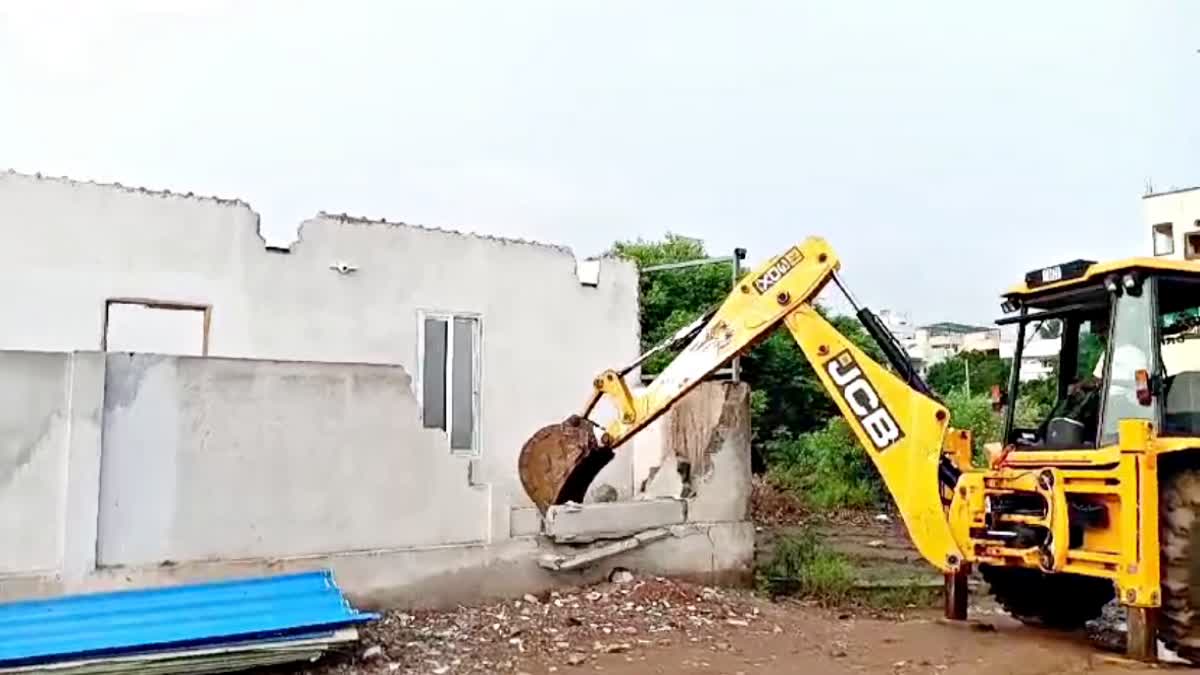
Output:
[[1099, 499]]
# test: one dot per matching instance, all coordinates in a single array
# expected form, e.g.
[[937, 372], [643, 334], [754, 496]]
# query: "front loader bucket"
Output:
[[559, 462]]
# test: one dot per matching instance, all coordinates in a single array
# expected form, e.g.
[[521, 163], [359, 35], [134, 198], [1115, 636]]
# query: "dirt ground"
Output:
[[813, 641], [645, 625], [768, 638]]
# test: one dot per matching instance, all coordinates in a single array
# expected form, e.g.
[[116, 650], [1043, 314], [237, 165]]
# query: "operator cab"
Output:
[[1098, 343]]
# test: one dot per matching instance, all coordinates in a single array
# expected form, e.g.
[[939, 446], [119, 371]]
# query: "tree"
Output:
[[1035, 400], [986, 369], [788, 399], [796, 401], [671, 299]]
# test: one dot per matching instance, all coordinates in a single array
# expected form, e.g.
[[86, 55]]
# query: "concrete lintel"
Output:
[[583, 523]]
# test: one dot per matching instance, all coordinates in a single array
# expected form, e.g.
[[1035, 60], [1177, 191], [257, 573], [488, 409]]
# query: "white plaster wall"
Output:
[[33, 457], [179, 469], [648, 450], [545, 335], [445, 576], [228, 458]]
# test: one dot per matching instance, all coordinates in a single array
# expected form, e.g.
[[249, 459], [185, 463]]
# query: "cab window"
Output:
[[1178, 325], [1061, 408], [1129, 351]]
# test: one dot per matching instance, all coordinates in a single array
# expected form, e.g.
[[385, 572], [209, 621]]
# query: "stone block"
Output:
[[580, 523]]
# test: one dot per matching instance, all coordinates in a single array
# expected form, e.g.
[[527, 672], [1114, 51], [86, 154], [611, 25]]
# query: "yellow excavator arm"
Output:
[[895, 417]]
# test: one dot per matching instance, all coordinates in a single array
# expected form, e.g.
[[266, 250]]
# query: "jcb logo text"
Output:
[[858, 393], [786, 263]]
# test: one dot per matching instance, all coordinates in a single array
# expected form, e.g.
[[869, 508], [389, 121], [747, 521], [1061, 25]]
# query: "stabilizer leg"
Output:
[[1142, 642], [956, 593]]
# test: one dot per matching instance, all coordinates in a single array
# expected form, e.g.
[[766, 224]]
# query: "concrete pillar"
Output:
[[85, 410], [720, 464]]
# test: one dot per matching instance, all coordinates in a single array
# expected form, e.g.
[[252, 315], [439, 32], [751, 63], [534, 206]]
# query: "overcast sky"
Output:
[[943, 147]]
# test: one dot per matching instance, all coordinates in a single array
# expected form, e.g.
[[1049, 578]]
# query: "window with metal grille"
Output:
[[449, 366]]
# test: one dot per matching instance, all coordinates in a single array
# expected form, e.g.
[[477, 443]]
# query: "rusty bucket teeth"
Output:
[[559, 462]]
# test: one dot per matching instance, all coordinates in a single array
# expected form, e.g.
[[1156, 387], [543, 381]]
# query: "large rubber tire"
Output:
[[1059, 601], [1179, 527]]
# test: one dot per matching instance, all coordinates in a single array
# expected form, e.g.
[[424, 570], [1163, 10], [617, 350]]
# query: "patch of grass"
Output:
[[824, 492], [802, 565], [899, 597]]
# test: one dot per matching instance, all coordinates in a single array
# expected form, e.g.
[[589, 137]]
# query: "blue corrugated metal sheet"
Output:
[[123, 622]]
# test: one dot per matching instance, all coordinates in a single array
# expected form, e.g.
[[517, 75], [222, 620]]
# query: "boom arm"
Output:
[[749, 314], [893, 415]]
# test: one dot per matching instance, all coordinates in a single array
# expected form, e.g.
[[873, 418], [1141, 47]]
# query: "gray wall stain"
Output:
[[21, 444], [125, 373]]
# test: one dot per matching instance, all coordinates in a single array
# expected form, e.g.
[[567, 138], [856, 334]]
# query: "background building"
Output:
[[931, 344], [1039, 356], [1173, 219]]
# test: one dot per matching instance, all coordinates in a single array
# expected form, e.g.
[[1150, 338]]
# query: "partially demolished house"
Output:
[[183, 402]]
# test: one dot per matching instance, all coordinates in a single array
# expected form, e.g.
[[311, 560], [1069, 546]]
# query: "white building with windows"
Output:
[[931, 344], [1173, 218], [1174, 221], [900, 325], [1039, 356], [937, 342], [182, 400]]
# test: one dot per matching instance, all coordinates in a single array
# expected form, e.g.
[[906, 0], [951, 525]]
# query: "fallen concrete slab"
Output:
[[563, 563]]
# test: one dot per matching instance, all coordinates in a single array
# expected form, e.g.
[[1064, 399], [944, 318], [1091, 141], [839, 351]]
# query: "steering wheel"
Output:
[[1056, 413]]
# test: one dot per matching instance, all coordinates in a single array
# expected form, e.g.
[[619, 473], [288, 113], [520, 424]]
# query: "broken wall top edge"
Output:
[[347, 219], [322, 214]]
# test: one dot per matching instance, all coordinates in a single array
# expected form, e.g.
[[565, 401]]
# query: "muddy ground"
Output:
[[644, 625]]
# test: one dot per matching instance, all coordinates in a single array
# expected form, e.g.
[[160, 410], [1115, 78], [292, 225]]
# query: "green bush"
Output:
[[802, 565], [976, 414], [827, 468], [1035, 400]]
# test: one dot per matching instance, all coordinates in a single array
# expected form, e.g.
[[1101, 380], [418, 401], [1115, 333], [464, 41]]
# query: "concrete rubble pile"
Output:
[[557, 632]]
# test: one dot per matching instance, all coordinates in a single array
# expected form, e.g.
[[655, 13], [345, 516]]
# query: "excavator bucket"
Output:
[[559, 462]]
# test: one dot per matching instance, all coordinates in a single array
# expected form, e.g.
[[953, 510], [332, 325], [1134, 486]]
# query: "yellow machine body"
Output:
[[948, 503]]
